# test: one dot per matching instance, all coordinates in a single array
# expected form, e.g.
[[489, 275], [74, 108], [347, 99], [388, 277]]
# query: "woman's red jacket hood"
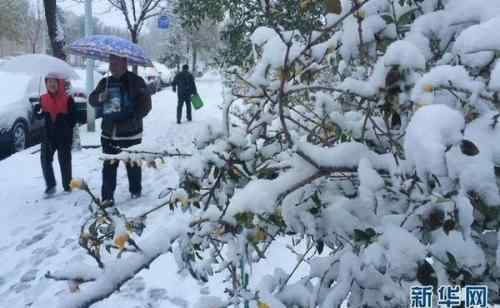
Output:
[[55, 104]]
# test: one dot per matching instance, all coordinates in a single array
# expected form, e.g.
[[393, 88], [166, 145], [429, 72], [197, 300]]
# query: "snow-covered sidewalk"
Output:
[[40, 235]]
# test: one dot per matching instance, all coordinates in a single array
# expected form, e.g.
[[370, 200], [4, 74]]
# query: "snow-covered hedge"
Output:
[[373, 139]]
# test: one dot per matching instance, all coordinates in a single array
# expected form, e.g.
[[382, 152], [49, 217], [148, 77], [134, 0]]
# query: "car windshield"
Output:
[[13, 87]]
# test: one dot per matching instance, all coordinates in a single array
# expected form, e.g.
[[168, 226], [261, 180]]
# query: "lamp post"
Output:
[[90, 68]]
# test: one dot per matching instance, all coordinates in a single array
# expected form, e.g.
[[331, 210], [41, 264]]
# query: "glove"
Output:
[[102, 97], [37, 108]]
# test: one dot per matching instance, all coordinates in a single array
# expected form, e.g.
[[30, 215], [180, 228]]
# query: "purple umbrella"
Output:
[[100, 47]]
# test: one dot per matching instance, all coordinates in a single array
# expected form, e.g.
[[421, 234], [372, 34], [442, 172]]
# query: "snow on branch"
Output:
[[119, 271]]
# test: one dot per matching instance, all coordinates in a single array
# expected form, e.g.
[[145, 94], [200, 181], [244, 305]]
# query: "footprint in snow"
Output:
[[28, 242], [134, 286], [29, 275], [157, 294], [42, 254], [68, 242], [17, 230], [45, 228], [18, 287], [49, 212]]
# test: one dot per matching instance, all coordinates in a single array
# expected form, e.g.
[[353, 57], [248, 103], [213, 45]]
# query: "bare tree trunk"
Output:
[[135, 39], [195, 54], [51, 17], [58, 52]]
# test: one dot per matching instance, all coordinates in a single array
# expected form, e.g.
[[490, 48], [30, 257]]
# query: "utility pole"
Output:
[[90, 68]]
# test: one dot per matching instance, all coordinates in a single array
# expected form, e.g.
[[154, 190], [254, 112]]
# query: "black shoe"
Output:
[[135, 196], [108, 203], [49, 191], [67, 189]]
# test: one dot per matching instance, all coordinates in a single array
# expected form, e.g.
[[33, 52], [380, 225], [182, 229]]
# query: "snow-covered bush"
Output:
[[370, 139]]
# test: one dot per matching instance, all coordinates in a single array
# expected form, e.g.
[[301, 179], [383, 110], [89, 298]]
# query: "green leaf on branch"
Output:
[[364, 236], [468, 148], [387, 18], [426, 274], [448, 225], [245, 219], [315, 198], [320, 245], [452, 262]]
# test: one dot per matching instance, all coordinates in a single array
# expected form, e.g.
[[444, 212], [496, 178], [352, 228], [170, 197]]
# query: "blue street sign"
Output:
[[163, 22]]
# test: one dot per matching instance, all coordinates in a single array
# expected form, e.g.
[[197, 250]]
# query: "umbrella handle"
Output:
[[107, 81]]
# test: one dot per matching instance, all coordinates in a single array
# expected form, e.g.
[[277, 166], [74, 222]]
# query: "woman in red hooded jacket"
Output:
[[56, 108]]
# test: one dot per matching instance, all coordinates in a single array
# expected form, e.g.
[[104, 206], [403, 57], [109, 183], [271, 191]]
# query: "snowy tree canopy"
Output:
[[366, 141], [12, 15]]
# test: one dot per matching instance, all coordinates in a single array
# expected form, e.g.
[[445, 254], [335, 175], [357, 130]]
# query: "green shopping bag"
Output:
[[197, 102]]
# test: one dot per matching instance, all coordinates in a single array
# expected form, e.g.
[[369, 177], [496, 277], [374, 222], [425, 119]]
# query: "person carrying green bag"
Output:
[[196, 101], [186, 90]]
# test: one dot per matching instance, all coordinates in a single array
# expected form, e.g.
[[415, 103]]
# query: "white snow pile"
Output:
[[404, 54], [262, 35], [495, 78], [478, 38], [431, 131], [476, 173], [444, 76]]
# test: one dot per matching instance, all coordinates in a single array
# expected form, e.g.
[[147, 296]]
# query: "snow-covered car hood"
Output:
[[13, 98], [10, 112]]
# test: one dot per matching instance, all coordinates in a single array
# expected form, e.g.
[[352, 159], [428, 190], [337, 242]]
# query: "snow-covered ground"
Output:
[[40, 235]]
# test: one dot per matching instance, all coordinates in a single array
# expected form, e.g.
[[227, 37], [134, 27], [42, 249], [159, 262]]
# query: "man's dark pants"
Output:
[[47, 157], [180, 102], [109, 169]]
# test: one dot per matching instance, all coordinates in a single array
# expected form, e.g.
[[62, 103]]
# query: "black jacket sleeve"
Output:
[[193, 85], [94, 96], [143, 98], [175, 82], [73, 116]]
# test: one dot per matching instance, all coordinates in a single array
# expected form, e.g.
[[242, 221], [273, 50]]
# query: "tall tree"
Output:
[[11, 18], [34, 28], [136, 12], [55, 30], [179, 44], [168, 45], [242, 17]]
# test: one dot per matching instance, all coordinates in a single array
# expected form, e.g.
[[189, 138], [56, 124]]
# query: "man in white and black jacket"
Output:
[[125, 100]]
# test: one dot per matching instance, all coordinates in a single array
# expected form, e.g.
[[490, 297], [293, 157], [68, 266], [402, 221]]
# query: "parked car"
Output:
[[101, 67], [78, 89], [151, 77], [18, 127], [166, 74]]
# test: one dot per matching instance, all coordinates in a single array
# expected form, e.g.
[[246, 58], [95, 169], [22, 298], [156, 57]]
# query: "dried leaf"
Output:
[[333, 7], [121, 239], [262, 305]]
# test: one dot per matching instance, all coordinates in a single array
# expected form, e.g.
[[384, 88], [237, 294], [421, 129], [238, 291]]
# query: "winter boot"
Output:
[[49, 191]]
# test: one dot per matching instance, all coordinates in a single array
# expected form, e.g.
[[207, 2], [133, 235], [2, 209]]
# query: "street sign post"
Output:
[[163, 22]]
